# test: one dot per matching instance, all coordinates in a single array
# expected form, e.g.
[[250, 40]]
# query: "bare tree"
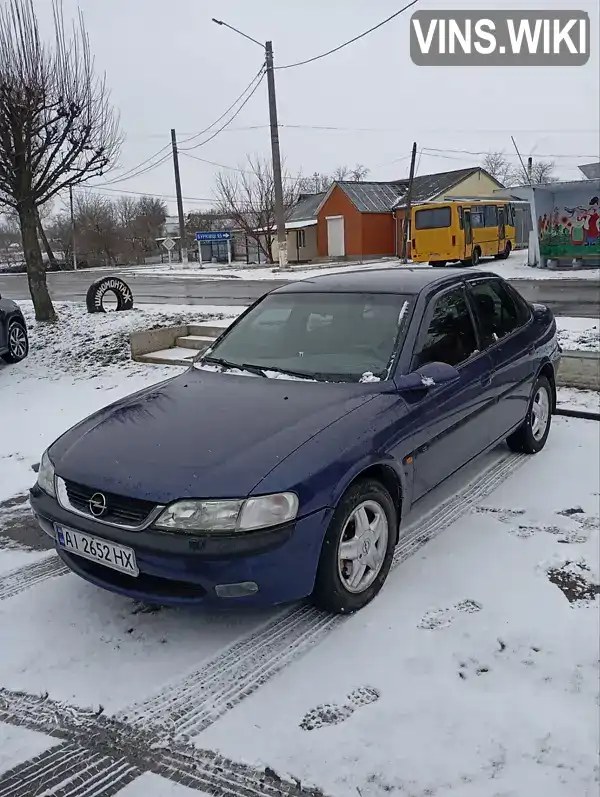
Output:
[[543, 172], [57, 127], [247, 197], [499, 166], [356, 174], [317, 183]]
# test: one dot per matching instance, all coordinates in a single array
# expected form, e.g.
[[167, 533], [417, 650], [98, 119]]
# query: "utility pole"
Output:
[[279, 209], [529, 168], [182, 246], [73, 245], [407, 210]]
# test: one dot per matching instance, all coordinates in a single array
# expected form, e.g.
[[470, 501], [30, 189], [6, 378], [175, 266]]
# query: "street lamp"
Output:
[[275, 151]]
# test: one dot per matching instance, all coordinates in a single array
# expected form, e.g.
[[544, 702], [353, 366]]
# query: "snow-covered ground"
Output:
[[579, 334], [474, 674], [513, 269]]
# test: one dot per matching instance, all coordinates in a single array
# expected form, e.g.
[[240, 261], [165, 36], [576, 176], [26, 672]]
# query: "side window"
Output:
[[496, 310], [477, 219], [450, 336], [491, 215]]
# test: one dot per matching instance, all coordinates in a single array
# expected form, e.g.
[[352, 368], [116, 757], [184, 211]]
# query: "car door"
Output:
[[448, 423], [504, 329], [3, 325]]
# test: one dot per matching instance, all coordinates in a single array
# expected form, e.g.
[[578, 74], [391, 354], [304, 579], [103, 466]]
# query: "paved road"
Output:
[[565, 297]]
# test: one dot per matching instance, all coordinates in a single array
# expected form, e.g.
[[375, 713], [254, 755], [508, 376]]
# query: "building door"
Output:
[[335, 236]]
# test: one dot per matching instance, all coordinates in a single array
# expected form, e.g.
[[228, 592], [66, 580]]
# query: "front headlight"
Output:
[[229, 515], [45, 477]]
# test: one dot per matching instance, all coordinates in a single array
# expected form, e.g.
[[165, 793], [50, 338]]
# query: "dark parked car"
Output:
[[281, 463], [14, 343]]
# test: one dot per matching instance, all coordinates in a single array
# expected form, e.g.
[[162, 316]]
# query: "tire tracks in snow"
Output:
[[186, 707], [96, 756], [27, 576], [68, 770]]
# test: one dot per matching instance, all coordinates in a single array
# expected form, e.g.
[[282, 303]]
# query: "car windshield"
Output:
[[344, 337]]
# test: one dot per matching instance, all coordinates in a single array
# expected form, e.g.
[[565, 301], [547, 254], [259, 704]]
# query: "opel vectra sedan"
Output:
[[281, 464]]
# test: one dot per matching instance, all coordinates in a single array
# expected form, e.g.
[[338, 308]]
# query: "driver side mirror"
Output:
[[427, 376]]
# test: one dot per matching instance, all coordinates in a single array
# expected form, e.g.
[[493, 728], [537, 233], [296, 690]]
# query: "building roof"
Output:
[[591, 170], [408, 281], [306, 208], [369, 197], [430, 186]]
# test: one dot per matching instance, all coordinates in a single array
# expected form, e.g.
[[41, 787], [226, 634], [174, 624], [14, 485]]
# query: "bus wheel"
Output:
[[507, 250], [475, 257]]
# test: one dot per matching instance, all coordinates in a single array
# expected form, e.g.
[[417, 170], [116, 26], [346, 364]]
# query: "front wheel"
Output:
[[531, 436], [18, 343], [358, 549]]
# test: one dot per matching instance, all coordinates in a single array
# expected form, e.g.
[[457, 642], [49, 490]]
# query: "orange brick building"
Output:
[[362, 220]]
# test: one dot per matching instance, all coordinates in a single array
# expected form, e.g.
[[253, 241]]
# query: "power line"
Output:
[[350, 41], [132, 173], [508, 154], [233, 104], [260, 76], [135, 168], [144, 193]]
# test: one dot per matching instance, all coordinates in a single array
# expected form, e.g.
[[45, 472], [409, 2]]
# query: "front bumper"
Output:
[[179, 569]]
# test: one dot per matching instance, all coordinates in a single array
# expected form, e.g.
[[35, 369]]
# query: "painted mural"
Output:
[[568, 232]]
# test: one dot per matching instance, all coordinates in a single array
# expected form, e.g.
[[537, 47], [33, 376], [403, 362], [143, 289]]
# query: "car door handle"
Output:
[[486, 380]]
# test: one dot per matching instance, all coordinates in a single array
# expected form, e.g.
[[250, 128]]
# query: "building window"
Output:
[[300, 239]]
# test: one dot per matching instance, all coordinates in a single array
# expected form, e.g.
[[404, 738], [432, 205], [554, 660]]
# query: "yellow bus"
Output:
[[462, 231]]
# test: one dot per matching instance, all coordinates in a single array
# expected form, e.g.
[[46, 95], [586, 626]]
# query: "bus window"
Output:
[[432, 218], [490, 215], [460, 217], [477, 219]]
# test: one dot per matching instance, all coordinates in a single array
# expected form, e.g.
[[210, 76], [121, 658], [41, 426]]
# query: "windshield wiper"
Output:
[[252, 369], [297, 374]]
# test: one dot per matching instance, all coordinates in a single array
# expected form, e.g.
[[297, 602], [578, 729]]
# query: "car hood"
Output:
[[200, 435]]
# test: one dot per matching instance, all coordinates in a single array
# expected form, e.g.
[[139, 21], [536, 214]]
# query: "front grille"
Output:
[[119, 510]]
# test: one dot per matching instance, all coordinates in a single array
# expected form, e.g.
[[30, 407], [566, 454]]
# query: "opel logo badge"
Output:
[[97, 504], [366, 546]]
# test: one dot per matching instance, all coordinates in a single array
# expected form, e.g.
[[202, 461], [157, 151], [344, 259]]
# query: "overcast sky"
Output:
[[169, 66]]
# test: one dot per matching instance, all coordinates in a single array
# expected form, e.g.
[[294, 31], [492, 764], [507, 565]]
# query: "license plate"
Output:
[[118, 557]]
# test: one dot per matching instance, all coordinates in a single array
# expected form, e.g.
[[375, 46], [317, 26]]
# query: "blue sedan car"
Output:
[[281, 464]]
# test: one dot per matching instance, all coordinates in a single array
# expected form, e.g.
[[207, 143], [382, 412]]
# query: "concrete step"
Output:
[[175, 356], [198, 342], [205, 330]]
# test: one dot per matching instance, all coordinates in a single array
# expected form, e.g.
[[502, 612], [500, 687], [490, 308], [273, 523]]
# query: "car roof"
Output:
[[400, 280]]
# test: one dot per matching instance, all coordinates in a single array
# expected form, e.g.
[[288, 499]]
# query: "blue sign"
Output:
[[213, 236]]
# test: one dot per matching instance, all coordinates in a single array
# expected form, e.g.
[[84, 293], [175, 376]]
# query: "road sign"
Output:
[[213, 236], [169, 244]]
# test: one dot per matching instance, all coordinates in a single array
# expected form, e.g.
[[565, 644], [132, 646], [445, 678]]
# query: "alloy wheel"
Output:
[[363, 546]]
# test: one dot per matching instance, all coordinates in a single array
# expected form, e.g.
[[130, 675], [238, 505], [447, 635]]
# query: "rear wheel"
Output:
[[531, 436], [18, 343], [358, 549]]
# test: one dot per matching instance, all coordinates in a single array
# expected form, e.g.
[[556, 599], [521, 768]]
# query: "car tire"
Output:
[[531, 436], [18, 342], [334, 592], [98, 290]]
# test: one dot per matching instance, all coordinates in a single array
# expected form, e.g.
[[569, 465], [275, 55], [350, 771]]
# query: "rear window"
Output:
[[432, 218]]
